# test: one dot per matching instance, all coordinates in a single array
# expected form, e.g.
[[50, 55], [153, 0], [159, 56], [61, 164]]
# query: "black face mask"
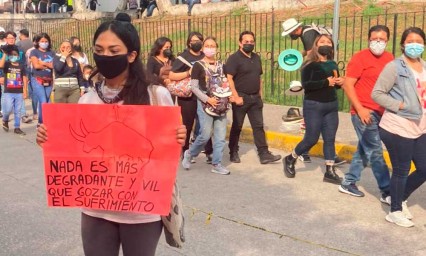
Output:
[[248, 48], [294, 37], [196, 47], [111, 66], [167, 53], [325, 50], [77, 48]]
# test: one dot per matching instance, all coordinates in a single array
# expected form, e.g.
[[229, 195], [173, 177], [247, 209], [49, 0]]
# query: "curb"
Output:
[[288, 142]]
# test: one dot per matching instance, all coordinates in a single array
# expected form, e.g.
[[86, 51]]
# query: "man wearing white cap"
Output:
[[296, 30]]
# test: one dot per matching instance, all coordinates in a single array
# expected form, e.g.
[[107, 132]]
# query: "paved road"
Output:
[[254, 211]]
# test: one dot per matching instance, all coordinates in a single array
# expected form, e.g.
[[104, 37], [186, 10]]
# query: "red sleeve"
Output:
[[354, 69]]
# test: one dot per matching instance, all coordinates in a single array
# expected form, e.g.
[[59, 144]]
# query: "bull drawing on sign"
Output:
[[135, 148]]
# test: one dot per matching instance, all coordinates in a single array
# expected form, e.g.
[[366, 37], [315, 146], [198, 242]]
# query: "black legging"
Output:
[[103, 237], [188, 112]]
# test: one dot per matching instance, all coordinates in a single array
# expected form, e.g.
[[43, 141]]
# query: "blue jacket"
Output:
[[397, 84]]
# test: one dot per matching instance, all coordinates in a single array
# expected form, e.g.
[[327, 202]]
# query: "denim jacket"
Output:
[[397, 84]]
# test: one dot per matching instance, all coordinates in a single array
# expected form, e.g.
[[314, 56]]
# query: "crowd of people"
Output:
[[32, 69], [387, 95], [388, 104]]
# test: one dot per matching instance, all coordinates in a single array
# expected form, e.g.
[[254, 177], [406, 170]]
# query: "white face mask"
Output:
[[377, 47]]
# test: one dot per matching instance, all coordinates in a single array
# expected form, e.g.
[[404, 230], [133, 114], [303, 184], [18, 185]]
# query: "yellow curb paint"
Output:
[[288, 142]]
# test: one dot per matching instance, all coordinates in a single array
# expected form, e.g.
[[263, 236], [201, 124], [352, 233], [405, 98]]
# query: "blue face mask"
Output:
[[13, 58], [413, 50]]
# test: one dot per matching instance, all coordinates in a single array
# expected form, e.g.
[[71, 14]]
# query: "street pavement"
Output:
[[254, 211]]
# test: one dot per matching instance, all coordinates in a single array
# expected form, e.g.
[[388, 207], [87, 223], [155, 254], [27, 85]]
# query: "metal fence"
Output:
[[353, 34]]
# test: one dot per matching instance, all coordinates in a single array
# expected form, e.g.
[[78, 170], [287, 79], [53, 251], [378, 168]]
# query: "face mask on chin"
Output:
[[111, 66]]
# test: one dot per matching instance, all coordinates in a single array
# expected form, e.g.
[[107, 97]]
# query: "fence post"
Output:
[[395, 28], [272, 52]]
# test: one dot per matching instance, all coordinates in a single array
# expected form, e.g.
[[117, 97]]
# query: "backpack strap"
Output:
[[184, 61]]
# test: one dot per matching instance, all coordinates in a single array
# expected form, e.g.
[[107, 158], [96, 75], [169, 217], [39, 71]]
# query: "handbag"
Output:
[[174, 223], [45, 81], [181, 88]]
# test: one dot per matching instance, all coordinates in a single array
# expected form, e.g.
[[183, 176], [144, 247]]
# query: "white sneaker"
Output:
[[405, 211], [220, 169], [385, 199], [186, 161], [399, 219]]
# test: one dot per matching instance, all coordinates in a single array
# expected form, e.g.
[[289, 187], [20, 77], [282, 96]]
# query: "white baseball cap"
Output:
[[294, 89], [290, 25], [2, 29]]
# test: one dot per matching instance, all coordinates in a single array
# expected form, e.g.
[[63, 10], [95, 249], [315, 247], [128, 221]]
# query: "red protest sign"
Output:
[[111, 157]]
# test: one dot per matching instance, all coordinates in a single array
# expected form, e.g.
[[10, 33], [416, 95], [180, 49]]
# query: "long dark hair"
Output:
[[158, 45], [135, 91], [37, 41]]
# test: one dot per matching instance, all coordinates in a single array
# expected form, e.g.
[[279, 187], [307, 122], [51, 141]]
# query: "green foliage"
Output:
[[372, 9], [239, 11]]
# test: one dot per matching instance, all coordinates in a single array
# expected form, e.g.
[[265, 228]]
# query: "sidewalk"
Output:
[[286, 136]]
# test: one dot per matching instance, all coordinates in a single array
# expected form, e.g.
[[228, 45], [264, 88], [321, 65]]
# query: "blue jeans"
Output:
[[33, 97], [369, 150], [43, 96], [209, 124], [320, 118], [2, 98], [401, 152], [54, 8], [12, 101], [150, 9]]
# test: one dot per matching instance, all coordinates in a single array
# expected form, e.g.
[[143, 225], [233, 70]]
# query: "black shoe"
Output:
[[19, 131], [289, 162], [331, 176], [6, 126], [305, 158], [339, 161], [235, 158], [268, 157], [209, 159]]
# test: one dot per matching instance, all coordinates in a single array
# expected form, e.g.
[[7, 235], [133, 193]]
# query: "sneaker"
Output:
[[5, 126], [193, 160], [19, 131], [405, 211], [399, 219], [186, 161], [220, 169], [339, 161], [26, 119], [268, 157], [386, 199], [351, 189], [305, 158], [209, 159]]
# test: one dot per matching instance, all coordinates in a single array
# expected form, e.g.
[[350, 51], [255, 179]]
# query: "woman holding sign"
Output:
[[320, 79], [117, 56]]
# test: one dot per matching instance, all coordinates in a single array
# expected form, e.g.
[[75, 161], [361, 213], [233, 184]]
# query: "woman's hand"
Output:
[[66, 53], [339, 81], [212, 101], [331, 81], [180, 134], [41, 135]]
